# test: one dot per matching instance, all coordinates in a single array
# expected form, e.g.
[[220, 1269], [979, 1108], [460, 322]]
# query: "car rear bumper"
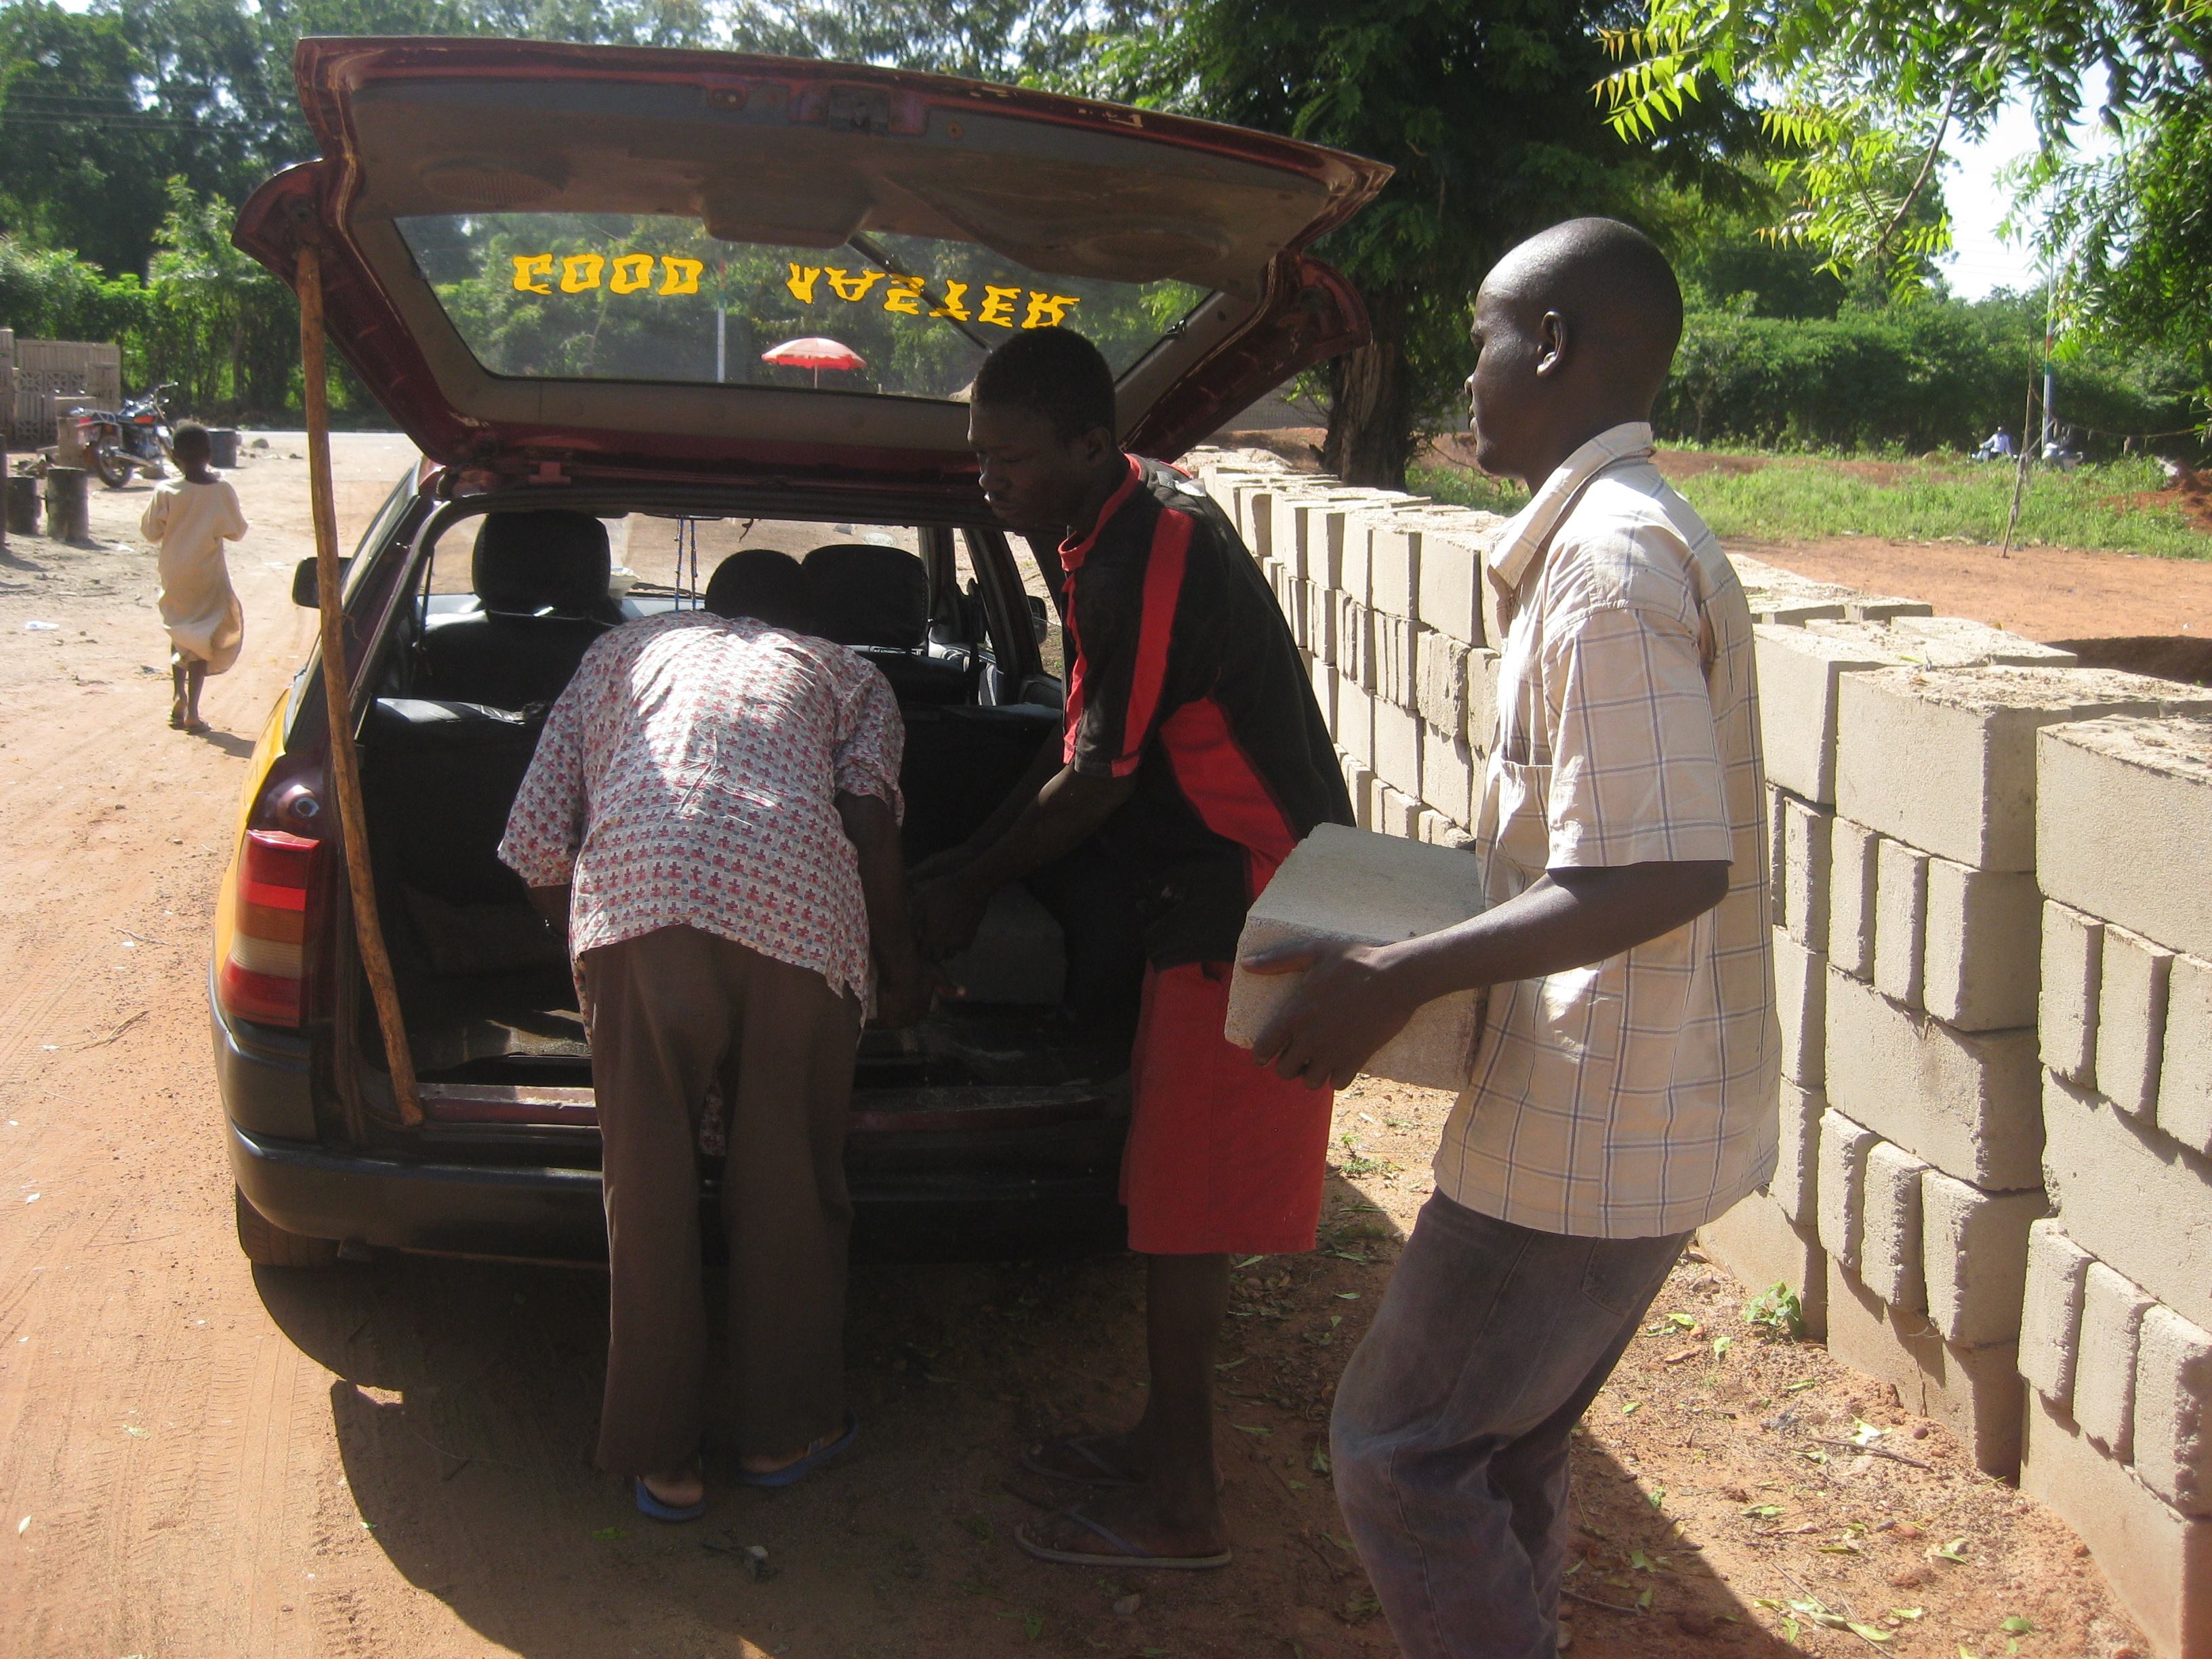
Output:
[[934, 1210], [553, 1214]]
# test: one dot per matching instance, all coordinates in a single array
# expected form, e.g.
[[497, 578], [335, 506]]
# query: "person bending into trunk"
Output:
[[1194, 750], [188, 520], [712, 815], [1624, 1091]]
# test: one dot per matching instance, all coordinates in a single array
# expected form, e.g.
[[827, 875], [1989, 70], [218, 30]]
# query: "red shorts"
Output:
[[1222, 1155]]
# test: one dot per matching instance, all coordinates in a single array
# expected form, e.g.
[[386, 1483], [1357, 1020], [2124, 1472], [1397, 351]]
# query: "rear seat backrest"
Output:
[[864, 595], [541, 577]]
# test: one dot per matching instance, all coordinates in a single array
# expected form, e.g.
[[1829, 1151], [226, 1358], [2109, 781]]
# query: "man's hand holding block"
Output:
[[1351, 886]]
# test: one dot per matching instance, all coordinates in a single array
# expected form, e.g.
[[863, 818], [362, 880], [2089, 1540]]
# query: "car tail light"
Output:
[[265, 975]]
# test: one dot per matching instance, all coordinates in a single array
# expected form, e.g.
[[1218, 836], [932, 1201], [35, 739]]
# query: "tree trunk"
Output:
[[1370, 422]]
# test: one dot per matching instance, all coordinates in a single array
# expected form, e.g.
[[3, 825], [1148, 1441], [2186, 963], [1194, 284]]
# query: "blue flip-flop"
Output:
[[650, 1505], [792, 1473]]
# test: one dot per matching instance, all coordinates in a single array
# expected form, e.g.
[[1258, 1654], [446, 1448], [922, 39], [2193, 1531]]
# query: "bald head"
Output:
[[1576, 327]]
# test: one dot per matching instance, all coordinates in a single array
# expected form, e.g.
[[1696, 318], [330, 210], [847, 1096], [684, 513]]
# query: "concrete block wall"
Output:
[[1993, 977], [2117, 1346]]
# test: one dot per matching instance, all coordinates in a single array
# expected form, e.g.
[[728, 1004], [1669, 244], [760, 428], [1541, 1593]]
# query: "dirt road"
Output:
[[199, 1459]]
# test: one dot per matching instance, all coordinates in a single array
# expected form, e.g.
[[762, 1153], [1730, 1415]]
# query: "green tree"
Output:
[[1485, 110], [1868, 94]]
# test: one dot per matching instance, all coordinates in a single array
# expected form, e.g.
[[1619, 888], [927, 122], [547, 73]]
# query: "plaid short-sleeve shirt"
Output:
[[1636, 1096]]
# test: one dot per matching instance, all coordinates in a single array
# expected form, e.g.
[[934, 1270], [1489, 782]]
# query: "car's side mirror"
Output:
[[303, 583], [1040, 619]]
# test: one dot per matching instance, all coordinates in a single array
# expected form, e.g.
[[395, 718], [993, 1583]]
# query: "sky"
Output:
[[1984, 261]]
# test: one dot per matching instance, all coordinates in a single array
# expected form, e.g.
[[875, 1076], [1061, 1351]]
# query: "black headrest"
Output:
[[552, 558], [864, 595]]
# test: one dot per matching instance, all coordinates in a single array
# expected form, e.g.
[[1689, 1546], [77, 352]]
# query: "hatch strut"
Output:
[[345, 764]]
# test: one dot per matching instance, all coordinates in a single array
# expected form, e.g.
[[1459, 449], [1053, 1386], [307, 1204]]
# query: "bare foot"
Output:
[[678, 1488], [1143, 1518]]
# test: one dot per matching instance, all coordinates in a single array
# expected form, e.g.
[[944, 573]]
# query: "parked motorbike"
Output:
[[136, 439]]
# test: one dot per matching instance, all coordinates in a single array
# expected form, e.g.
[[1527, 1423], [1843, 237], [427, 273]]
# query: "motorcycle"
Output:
[[134, 440]]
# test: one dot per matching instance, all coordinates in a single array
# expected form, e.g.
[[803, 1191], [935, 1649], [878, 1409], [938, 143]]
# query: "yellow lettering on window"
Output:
[[904, 296], [580, 271], [533, 272], [952, 308], [680, 275], [999, 307], [1049, 310], [853, 290], [633, 273], [801, 282]]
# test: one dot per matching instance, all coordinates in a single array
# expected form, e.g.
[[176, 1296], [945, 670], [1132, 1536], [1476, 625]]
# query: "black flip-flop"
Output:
[[1126, 1554], [1105, 1473]]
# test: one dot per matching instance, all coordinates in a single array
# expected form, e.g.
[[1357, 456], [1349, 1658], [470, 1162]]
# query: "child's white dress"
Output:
[[189, 523]]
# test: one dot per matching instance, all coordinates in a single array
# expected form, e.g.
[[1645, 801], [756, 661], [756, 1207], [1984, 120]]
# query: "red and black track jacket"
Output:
[[1184, 672]]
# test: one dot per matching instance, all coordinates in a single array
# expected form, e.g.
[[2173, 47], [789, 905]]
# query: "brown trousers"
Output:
[[673, 1012]]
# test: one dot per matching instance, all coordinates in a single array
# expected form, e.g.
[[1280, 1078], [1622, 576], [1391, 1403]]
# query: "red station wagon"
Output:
[[566, 271]]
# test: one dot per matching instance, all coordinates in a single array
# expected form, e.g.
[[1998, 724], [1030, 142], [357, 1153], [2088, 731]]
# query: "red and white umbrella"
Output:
[[814, 352]]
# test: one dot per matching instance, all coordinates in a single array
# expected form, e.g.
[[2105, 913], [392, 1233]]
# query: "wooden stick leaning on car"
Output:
[[345, 764]]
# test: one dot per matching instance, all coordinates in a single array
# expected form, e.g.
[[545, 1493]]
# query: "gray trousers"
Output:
[[671, 1013], [1450, 1437]]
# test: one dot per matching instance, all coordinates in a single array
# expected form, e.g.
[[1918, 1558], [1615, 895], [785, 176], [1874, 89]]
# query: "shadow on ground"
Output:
[[466, 1406]]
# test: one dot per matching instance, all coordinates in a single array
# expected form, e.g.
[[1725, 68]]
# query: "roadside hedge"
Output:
[[1938, 374]]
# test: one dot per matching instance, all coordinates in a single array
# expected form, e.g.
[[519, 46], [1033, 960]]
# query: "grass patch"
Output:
[[1794, 498]]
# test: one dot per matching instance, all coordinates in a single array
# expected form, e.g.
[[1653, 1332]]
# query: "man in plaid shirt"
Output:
[[1625, 1088]]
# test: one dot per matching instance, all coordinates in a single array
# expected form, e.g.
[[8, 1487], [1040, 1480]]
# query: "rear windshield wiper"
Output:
[[876, 254]]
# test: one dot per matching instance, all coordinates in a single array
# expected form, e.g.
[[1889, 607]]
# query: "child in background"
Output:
[[188, 520]]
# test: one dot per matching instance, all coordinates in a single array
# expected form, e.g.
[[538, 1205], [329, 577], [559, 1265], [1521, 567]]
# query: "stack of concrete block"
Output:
[[1931, 988], [1386, 595], [2117, 1347]]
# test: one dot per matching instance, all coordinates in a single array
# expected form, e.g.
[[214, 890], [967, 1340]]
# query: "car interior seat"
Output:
[[541, 582], [876, 600]]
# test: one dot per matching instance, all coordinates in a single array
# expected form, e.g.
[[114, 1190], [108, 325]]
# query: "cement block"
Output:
[[1801, 990], [1916, 649], [1973, 1248], [1967, 791], [1781, 599], [2051, 1311], [1794, 1186], [1839, 1205], [1438, 830], [1394, 554], [1964, 1101], [2185, 1075], [1980, 954], [1763, 1247], [1398, 747], [2130, 1196], [1344, 543], [1394, 660], [1355, 641], [1355, 720], [1798, 672], [1020, 956], [1348, 884], [2073, 953], [1440, 680], [2112, 1309], [1448, 774], [1324, 680], [1359, 784], [2173, 1410], [1901, 921], [1255, 517], [2122, 817], [1482, 700], [1853, 884], [2131, 1021], [1395, 812], [1286, 529], [1500, 605], [1889, 1228], [1778, 834], [1973, 1391], [1875, 607], [1805, 853], [1990, 645], [2157, 1560], [1451, 581]]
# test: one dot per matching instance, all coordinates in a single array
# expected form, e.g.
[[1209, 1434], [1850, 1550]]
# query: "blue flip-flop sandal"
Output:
[[792, 1473], [649, 1506]]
